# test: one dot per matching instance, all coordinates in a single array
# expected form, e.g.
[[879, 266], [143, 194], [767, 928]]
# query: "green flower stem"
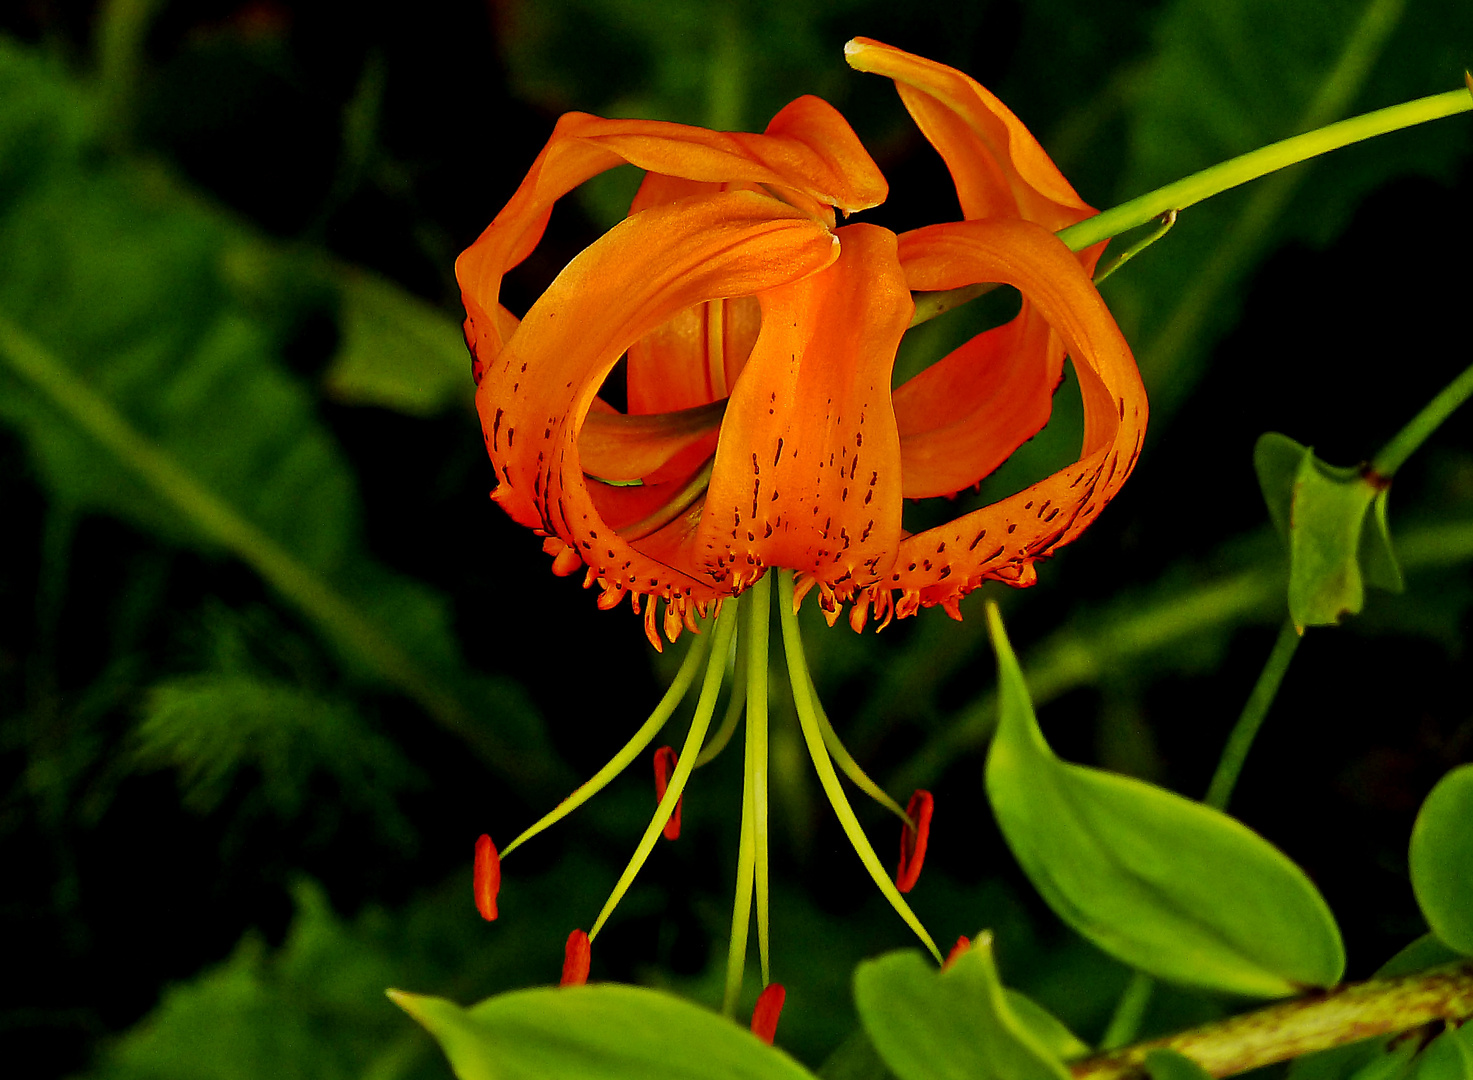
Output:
[[1255, 711], [756, 648], [824, 766], [699, 724], [674, 695], [223, 525], [1321, 1021], [1250, 166], [1406, 441], [1216, 179]]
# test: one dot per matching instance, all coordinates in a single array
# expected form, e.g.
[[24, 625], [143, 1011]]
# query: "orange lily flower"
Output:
[[761, 428]]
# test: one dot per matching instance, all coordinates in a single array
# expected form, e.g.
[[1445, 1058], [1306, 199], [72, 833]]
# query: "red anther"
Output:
[[577, 955], [767, 1010], [487, 877], [665, 759], [913, 840], [963, 943]]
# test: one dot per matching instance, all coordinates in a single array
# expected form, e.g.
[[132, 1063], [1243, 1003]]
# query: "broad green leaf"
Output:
[[1441, 858], [1447, 1057], [958, 1023], [1046, 1028], [1321, 511], [602, 1031], [1164, 1064], [397, 351], [1426, 952], [1168, 885]]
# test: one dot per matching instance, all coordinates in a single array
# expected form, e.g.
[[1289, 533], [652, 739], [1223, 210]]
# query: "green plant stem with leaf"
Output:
[[1321, 1021]]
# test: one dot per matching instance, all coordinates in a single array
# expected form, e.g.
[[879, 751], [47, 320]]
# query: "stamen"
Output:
[[577, 957], [700, 722], [741, 905], [913, 840], [846, 761], [632, 749], [963, 943], [736, 703], [757, 641], [824, 766], [767, 1010], [487, 877], [665, 760]]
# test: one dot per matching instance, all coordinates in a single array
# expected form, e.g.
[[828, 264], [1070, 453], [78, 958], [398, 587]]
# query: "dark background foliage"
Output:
[[228, 823]]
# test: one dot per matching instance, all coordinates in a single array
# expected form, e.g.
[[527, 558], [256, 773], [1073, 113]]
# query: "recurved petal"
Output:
[[999, 168], [809, 151], [534, 399], [807, 471], [623, 448], [964, 415], [1003, 540]]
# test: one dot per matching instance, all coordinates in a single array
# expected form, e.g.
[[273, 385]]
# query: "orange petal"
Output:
[[1003, 540], [617, 447], [534, 399], [577, 958], [487, 877], [964, 415], [913, 840], [665, 762], [809, 151], [767, 1011], [807, 471], [999, 168]]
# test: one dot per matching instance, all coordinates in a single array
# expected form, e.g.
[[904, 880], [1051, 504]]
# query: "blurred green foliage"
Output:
[[259, 626]]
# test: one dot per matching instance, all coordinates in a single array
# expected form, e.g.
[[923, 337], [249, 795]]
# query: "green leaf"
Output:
[[599, 1032], [1166, 884], [1441, 858], [1164, 1064], [958, 1023], [1321, 511], [397, 351], [1447, 1057], [1047, 1029]]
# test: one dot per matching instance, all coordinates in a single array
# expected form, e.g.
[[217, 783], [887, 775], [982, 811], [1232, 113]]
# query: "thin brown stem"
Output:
[[1319, 1021]]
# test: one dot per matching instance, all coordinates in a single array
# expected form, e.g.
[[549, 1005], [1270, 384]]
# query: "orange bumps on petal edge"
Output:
[[487, 877]]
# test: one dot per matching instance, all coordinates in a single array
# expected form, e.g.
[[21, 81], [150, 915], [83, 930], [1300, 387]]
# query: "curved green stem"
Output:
[[1406, 441], [813, 736], [738, 699], [756, 649], [1255, 711], [700, 722], [631, 750], [846, 762], [1250, 166]]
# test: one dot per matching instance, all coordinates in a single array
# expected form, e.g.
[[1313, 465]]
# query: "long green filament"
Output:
[[632, 749], [846, 760], [700, 722], [738, 699], [741, 905], [757, 632], [813, 736]]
